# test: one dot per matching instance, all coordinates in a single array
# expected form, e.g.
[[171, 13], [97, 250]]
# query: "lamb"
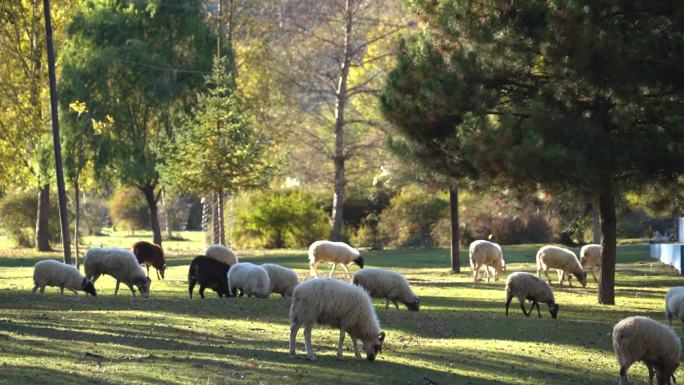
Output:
[[643, 339], [389, 285], [150, 254], [590, 258], [209, 273], [120, 264], [283, 280], [328, 301], [221, 253], [333, 252], [674, 304], [55, 273], [527, 286], [487, 254], [563, 260], [250, 279]]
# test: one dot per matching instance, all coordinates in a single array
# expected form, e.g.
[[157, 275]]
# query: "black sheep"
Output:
[[210, 273]]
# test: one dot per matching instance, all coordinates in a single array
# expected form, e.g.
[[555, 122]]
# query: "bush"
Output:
[[410, 218], [276, 219], [18, 211], [368, 234], [129, 209]]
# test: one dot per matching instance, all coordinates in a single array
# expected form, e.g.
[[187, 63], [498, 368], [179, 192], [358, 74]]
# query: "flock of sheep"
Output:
[[348, 306]]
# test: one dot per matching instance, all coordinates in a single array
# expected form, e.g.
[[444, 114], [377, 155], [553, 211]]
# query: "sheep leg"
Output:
[[307, 343], [561, 277], [476, 272], [387, 304], [158, 277], [340, 356], [191, 285], [333, 269], [294, 328], [130, 287], [347, 270], [61, 290], [651, 373], [509, 298], [313, 269], [75, 292], [148, 270], [42, 290], [594, 275], [37, 286], [487, 269], [201, 291], [623, 374], [116, 289], [569, 276], [535, 303], [546, 273], [356, 348], [522, 306], [396, 304]]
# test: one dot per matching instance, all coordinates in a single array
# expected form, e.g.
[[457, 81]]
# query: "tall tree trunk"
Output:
[[77, 219], [221, 219], [167, 221], [151, 200], [595, 221], [43, 219], [340, 157], [216, 225], [606, 292], [455, 240]]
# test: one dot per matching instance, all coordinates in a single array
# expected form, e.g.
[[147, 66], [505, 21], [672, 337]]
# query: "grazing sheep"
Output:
[[210, 273], [590, 258], [55, 273], [674, 304], [487, 254], [333, 252], [389, 285], [327, 301], [563, 260], [120, 264], [150, 254], [643, 339], [250, 279], [283, 280], [221, 253], [527, 286]]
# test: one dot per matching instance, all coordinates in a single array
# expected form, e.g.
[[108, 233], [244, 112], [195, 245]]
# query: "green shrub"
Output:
[[368, 234], [410, 218], [129, 210], [94, 215], [18, 212], [281, 218]]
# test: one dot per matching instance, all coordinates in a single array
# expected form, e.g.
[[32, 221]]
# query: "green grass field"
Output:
[[460, 336]]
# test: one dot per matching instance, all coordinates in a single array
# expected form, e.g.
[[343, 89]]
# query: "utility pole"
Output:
[[61, 191]]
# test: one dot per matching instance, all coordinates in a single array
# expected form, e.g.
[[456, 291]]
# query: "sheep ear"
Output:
[[381, 336]]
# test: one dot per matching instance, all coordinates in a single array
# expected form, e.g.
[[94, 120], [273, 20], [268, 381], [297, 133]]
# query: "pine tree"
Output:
[[581, 95]]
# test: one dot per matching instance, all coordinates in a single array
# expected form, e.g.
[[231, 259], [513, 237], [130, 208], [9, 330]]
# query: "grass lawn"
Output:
[[460, 336]]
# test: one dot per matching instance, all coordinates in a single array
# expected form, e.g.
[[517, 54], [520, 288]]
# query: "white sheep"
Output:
[[251, 279], [487, 254], [55, 273], [643, 339], [674, 304], [564, 261], [590, 258], [526, 286], [221, 253], [387, 284], [120, 264], [283, 280], [339, 304], [333, 252]]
